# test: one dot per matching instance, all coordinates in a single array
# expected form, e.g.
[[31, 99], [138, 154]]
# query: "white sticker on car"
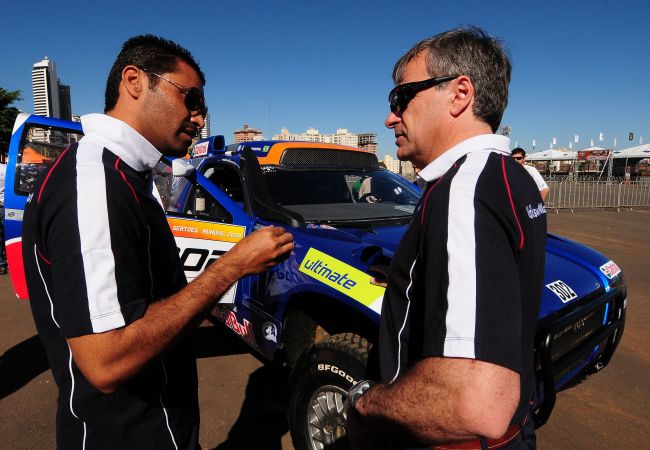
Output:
[[562, 290], [610, 269]]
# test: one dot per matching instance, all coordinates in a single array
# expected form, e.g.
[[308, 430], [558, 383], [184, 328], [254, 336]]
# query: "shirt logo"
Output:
[[535, 212]]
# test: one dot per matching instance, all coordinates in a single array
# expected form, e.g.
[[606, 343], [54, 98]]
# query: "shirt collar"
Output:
[[481, 143], [118, 137]]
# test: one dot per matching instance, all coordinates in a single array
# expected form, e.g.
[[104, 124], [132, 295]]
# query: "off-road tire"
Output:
[[318, 389]]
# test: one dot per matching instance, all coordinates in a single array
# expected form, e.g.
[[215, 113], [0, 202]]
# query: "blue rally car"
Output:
[[317, 312]]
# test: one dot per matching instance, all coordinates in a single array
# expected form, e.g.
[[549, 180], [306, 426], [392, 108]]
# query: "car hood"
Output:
[[577, 266], [572, 270]]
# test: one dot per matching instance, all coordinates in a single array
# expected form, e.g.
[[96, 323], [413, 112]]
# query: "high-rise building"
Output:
[[342, 137], [404, 168], [65, 105], [247, 133], [368, 142], [45, 88], [391, 163], [205, 131]]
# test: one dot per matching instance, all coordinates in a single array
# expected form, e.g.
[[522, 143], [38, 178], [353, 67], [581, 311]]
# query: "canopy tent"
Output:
[[641, 151], [551, 155]]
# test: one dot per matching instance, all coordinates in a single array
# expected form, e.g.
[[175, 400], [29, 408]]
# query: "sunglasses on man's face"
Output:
[[519, 158], [194, 99], [402, 94]]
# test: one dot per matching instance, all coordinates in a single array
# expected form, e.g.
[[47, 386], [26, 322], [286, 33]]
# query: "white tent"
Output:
[[551, 154], [641, 151]]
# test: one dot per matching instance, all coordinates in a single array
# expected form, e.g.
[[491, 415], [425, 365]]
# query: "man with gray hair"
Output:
[[460, 311]]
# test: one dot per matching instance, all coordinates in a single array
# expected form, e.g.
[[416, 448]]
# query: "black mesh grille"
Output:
[[325, 157]]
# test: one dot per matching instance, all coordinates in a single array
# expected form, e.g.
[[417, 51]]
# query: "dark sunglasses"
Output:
[[402, 94], [194, 99], [519, 158]]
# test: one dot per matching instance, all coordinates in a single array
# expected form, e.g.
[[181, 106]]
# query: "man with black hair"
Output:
[[519, 154], [106, 285], [459, 315]]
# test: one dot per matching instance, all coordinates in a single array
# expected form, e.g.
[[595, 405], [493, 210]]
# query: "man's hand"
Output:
[[260, 250], [380, 275]]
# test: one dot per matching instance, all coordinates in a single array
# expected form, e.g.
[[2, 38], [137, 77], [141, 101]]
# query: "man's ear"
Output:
[[463, 95], [133, 81]]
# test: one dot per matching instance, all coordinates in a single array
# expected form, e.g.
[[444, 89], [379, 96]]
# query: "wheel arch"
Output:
[[310, 317]]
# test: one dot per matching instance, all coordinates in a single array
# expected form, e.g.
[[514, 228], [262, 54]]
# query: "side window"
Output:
[[39, 147], [226, 177], [182, 198]]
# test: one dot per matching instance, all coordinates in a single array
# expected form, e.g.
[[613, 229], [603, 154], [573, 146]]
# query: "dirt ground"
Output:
[[240, 409]]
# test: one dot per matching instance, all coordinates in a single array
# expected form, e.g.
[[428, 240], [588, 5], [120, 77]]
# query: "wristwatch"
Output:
[[355, 393]]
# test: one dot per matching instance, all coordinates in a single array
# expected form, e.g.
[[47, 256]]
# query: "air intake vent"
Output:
[[324, 157]]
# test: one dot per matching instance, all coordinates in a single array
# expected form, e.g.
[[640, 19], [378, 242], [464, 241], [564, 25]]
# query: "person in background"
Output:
[[520, 156], [106, 285], [459, 315]]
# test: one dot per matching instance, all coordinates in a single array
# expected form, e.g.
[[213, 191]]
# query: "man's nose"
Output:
[[392, 119]]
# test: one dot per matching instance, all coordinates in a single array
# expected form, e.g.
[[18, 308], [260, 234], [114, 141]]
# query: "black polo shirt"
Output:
[[97, 252], [466, 279]]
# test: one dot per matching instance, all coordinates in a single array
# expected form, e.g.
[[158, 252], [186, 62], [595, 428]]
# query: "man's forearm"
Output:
[[120, 354], [409, 416], [544, 193], [108, 359], [443, 399]]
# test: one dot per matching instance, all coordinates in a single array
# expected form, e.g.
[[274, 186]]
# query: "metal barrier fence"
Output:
[[598, 194]]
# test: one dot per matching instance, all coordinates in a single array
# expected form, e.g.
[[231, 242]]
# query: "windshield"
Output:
[[343, 196]]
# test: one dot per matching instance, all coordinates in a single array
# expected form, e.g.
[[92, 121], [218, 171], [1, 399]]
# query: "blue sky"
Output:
[[578, 67]]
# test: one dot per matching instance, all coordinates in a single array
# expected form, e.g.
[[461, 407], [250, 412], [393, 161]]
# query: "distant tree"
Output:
[[505, 130], [8, 115]]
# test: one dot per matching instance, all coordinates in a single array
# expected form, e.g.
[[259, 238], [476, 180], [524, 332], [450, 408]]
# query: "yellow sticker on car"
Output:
[[342, 277]]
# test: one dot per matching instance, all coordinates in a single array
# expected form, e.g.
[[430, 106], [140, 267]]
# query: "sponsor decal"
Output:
[[270, 332], [610, 269], [200, 149], [539, 210], [266, 148], [16, 214], [334, 369], [562, 290], [206, 230], [342, 277], [200, 244], [229, 317]]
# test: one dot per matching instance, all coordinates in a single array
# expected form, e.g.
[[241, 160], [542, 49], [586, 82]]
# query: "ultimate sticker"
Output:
[[342, 277]]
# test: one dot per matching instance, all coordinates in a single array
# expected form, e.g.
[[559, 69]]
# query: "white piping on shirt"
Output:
[[406, 315], [47, 292]]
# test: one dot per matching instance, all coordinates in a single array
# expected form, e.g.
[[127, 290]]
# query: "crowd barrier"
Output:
[[570, 194]]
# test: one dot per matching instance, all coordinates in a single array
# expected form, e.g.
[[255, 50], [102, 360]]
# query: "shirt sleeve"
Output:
[[481, 301], [537, 177], [93, 243]]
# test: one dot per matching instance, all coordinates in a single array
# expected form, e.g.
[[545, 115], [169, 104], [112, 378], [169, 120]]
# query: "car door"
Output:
[[36, 142]]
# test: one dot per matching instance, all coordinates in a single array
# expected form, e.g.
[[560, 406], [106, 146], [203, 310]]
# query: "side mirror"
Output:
[[182, 168]]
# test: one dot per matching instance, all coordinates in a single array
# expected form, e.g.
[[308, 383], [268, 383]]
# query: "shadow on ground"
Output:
[[262, 420], [217, 340], [21, 364]]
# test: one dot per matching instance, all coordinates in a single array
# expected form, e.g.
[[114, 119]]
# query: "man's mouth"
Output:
[[191, 132]]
